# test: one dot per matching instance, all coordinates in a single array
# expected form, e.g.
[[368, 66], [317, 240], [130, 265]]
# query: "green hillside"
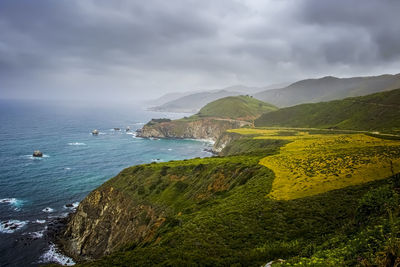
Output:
[[236, 107], [327, 89], [376, 112], [214, 212]]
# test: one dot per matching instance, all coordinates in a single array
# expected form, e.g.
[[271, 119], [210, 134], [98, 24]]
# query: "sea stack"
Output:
[[37, 154], [128, 128], [95, 132]]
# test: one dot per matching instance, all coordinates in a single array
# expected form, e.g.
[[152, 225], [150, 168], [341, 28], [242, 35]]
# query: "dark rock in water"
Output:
[[128, 129], [69, 205], [37, 153], [95, 132], [117, 129]]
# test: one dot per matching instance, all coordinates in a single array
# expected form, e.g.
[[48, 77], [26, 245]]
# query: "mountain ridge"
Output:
[[374, 112]]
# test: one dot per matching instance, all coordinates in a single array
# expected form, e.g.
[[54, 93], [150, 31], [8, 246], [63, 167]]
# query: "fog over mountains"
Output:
[[134, 50], [304, 91]]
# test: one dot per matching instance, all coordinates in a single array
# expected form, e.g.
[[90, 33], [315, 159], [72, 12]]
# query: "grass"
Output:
[[316, 163], [375, 112], [228, 211], [236, 107]]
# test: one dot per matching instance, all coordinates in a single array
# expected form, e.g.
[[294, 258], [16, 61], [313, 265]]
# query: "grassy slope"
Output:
[[377, 112], [219, 215], [328, 88], [316, 163], [236, 107]]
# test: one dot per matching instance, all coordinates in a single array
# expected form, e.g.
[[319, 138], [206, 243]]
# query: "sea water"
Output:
[[35, 191]]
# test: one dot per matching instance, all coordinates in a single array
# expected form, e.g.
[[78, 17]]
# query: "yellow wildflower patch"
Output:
[[316, 163]]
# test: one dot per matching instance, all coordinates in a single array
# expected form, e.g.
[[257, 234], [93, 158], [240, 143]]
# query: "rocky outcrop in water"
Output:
[[37, 154]]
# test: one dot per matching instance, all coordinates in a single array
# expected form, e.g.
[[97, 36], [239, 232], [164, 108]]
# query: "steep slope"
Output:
[[328, 88], [193, 127], [211, 121], [236, 107], [376, 112], [193, 102], [214, 212]]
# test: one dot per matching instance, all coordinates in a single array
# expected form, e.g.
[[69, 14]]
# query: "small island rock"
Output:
[[95, 132], [37, 153]]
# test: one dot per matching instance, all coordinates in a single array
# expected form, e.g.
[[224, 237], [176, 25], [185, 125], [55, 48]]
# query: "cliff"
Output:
[[104, 220], [143, 203], [216, 212], [199, 128]]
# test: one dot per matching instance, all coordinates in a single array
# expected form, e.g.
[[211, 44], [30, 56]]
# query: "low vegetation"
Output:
[[220, 211], [315, 163], [376, 112], [236, 107]]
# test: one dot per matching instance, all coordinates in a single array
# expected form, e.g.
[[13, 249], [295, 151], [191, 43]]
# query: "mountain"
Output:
[[192, 103], [167, 98], [236, 107], [375, 112], [211, 121], [328, 88]]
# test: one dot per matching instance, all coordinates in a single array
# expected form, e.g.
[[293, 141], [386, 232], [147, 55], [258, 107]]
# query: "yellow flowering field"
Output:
[[316, 163]]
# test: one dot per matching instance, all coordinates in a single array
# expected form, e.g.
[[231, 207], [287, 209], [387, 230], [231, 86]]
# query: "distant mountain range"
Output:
[[192, 103], [328, 88], [304, 91]]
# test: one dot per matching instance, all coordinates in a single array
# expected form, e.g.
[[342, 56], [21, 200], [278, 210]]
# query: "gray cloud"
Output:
[[135, 49]]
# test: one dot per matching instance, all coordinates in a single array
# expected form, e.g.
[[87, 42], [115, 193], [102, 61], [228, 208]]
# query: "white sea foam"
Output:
[[169, 149], [210, 141], [39, 221], [53, 255], [73, 207], [63, 215], [139, 123], [76, 144], [156, 160], [48, 210], [36, 235], [16, 203], [67, 168], [11, 226], [36, 158]]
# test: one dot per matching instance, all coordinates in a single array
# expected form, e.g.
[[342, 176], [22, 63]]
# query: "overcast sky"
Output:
[[125, 49]]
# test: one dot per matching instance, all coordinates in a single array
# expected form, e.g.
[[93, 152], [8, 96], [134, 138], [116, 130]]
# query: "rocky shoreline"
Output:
[[94, 229]]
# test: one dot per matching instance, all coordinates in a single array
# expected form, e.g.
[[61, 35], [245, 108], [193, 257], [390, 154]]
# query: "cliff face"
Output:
[[225, 139], [205, 128], [104, 221], [142, 204]]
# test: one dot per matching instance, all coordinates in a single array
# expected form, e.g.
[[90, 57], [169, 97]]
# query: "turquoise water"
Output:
[[33, 192]]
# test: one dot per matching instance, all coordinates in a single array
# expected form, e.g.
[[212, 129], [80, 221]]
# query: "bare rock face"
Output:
[[224, 139], [105, 220], [206, 128]]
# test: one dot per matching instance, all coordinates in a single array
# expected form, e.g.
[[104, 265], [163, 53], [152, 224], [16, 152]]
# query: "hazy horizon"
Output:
[[131, 51]]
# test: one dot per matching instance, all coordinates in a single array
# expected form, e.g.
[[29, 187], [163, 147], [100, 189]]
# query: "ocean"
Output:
[[34, 192]]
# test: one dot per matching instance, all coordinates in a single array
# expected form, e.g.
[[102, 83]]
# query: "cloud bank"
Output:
[[130, 50]]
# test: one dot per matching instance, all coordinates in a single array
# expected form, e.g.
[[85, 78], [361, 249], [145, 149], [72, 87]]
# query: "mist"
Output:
[[124, 52]]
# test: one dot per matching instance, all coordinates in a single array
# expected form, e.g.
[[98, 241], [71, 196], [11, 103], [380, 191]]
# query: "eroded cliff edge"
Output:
[[104, 220], [143, 203], [205, 128]]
